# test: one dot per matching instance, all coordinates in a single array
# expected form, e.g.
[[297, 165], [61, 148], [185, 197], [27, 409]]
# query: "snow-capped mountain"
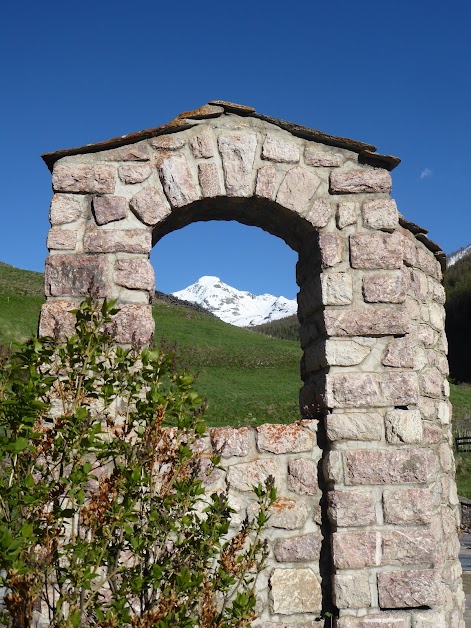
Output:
[[457, 255], [236, 306]]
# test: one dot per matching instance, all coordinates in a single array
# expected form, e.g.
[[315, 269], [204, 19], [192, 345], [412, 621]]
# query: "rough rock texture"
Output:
[[109, 208], [150, 206], [85, 179], [295, 591]]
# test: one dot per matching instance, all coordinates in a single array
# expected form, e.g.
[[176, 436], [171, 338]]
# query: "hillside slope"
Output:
[[458, 318]]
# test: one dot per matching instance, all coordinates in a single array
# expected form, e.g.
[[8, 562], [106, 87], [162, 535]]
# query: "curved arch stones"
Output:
[[381, 548]]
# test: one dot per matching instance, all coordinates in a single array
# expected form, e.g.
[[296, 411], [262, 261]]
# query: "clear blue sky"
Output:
[[395, 74]]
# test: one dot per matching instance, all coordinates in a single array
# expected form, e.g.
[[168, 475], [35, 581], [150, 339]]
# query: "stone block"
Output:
[[385, 288], [208, 178], [347, 352], [431, 383], [314, 156], [356, 550], [244, 476], [409, 546], [266, 184], [409, 589], [87, 179], [298, 549], [238, 155], [177, 180], [117, 241], [385, 620], [407, 506], [133, 324], [66, 208], [77, 275], [134, 173], [352, 590], [337, 288], [150, 206], [167, 142], [419, 284], [346, 214], [380, 214], [353, 508], [389, 466], [437, 315], [409, 248], [403, 426], [61, 239], [133, 152], [331, 249], [297, 189], [288, 513], [357, 181], [230, 441], [432, 434], [280, 150], [363, 390], [372, 251], [427, 335], [295, 591], [302, 476], [429, 619], [366, 321], [426, 261], [109, 208], [367, 426], [319, 213], [437, 290], [280, 439], [400, 352], [202, 145], [135, 274], [56, 320]]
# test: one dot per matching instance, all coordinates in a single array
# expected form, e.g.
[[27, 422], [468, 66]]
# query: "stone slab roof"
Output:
[[214, 109]]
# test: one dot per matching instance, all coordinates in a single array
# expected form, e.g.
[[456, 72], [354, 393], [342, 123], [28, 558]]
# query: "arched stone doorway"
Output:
[[382, 547]]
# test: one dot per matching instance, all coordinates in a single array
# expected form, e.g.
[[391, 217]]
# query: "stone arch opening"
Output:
[[384, 541]]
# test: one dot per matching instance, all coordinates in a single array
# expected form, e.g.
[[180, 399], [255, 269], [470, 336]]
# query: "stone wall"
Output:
[[371, 532]]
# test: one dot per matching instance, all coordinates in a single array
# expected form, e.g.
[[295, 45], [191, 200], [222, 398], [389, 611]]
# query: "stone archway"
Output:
[[374, 365]]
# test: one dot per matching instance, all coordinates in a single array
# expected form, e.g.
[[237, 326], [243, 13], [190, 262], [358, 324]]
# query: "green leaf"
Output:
[[27, 531]]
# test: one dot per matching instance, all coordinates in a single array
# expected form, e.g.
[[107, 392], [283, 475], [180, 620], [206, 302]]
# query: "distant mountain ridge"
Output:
[[457, 255], [236, 307]]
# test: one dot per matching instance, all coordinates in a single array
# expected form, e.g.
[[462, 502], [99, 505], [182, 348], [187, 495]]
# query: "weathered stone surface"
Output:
[[208, 178], [356, 550], [427, 335], [352, 590], [298, 549], [245, 475], [426, 261], [266, 184], [400, 352], [409, 546], [135, 173], [167, 142], [431, 383], [202, 145], [297, 188], [177, 180], [230, 441], [280, 150], [366, 321], [409, 248], [133, 324], [280, 439], [403, 426], [288, 513], [356, 181], [351, 508], [56, 320], [331, 248], [109, 208], [409, 589], [354, 426], [89, 179], [58, 238], [385, 288], [392, 466], [437, 290], [429, 619], [407, 505], [77, 275], [295, 591], [370, 389], [117, 241], [385, 620], [371, 251], [432, 434], [437, 315], [208, 473], [346, 214], [238, 154], [65, 208], [380, 214], [150, 206], [302, 476], [136, 152], [419, 284], [346, 352], [135, 274], [314, 156], [333, 466], [320, 213]]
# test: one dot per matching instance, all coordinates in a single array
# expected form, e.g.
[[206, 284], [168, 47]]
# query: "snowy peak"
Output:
[[457, 255], [236, 306]]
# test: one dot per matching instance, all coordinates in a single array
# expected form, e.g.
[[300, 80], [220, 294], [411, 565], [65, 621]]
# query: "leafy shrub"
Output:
[[103, 516]]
